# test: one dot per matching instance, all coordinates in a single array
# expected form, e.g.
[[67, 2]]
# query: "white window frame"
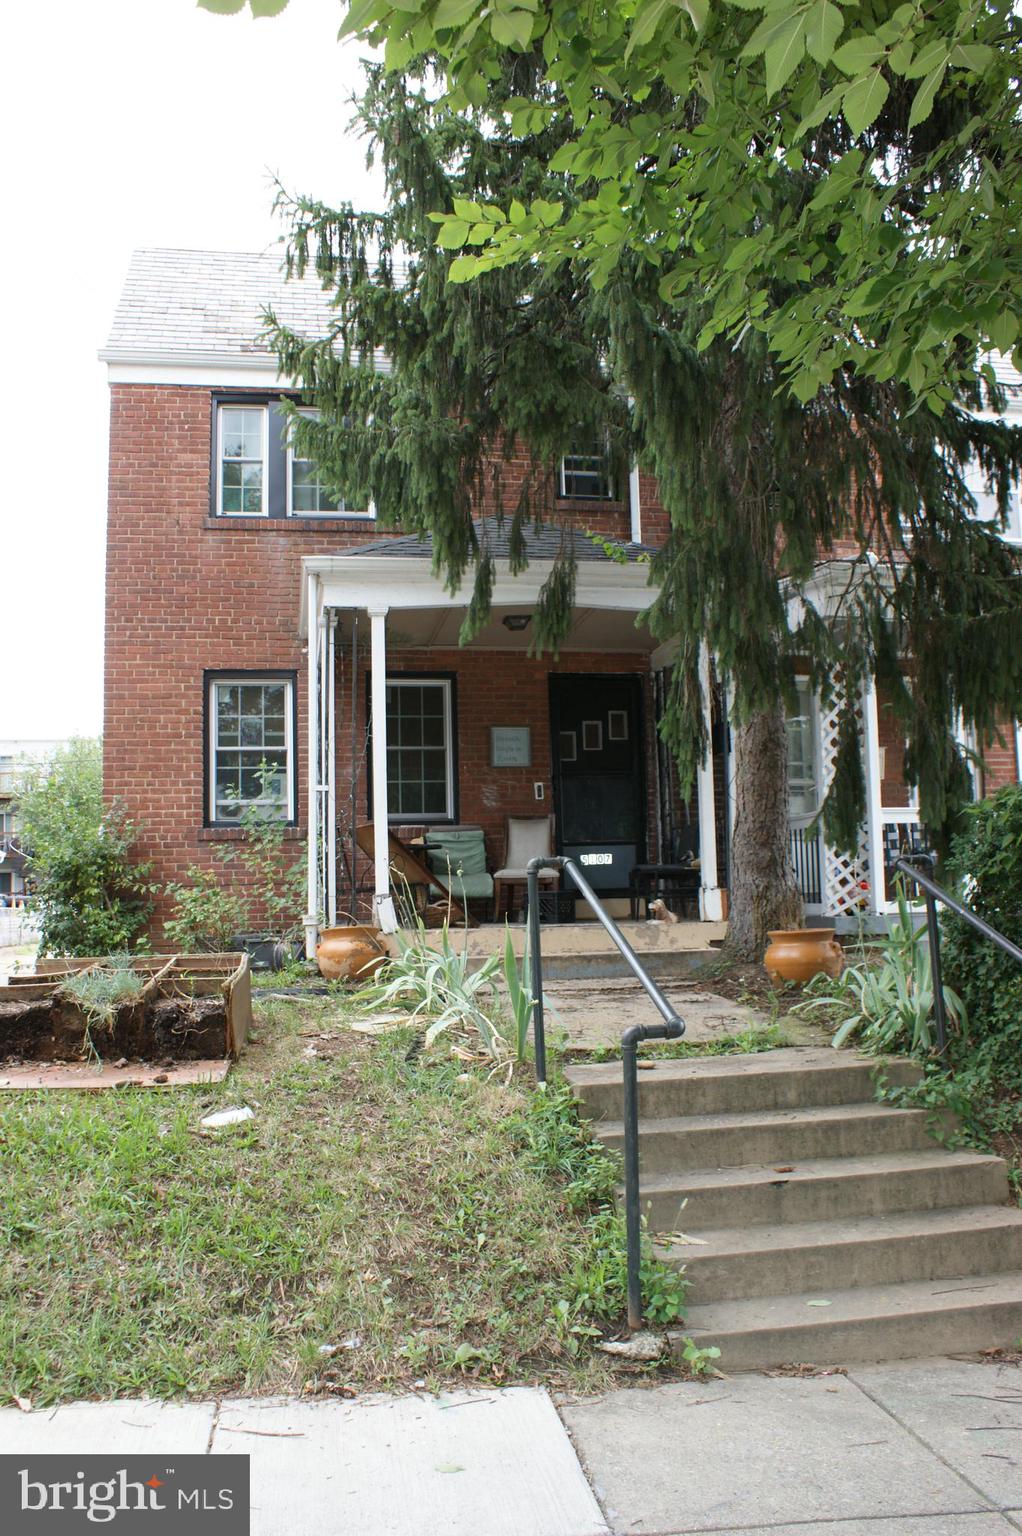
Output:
[[366, 514], [986, 503], [250, 680], [603, 458], [803, 684], [242, 405], [446, 684]]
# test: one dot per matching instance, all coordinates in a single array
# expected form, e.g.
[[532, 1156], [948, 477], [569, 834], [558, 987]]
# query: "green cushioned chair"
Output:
[[458, 855]]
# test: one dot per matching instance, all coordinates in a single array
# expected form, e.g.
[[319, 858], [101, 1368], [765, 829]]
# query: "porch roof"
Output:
[[392, 574], [550, 542]]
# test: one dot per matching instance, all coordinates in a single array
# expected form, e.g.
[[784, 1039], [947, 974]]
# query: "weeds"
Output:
[[557, 1141], [99, 993], [766, 1037]]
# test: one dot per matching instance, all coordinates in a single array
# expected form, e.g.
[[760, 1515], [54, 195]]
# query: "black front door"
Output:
[[599, 792]]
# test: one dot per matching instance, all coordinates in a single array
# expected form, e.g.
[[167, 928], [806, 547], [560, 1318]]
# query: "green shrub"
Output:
[[887, 996], [89, 892], [985, 867], [207, 915], [210, 906]]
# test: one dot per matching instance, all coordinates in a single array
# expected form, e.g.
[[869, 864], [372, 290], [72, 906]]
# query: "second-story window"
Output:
[[241, 457], [986, 503], [585, 473], [306, 494], [258, 473]]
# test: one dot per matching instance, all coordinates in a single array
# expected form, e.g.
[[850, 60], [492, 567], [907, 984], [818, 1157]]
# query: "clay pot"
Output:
[[797, 954], [349, 954]]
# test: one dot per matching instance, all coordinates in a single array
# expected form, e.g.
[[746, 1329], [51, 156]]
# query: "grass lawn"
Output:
[[380, 1196]]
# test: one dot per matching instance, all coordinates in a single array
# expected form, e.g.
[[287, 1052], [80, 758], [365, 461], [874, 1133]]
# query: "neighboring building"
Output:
[[249, 619], [15, 757]]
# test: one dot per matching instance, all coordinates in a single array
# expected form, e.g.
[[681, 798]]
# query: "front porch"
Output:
[[470, 736], [410, 733]]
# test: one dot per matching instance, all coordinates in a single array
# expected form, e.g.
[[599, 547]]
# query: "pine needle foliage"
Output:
[[836, 539]]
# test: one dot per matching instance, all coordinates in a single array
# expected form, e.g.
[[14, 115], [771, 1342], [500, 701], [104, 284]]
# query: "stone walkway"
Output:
[[592, 1014], [916, 1449]]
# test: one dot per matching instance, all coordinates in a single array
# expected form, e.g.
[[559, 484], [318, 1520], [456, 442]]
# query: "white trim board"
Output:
[[408, 582]]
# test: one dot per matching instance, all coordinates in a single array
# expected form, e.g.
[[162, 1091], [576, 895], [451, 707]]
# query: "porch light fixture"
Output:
[[516, 622]]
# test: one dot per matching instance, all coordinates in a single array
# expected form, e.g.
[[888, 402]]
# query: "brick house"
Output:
[[250, 619]]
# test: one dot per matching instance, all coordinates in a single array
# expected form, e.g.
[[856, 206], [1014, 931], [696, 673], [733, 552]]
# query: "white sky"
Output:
[[126, 123]]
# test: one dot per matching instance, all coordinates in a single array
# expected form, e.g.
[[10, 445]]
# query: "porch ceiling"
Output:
[[593, 629]]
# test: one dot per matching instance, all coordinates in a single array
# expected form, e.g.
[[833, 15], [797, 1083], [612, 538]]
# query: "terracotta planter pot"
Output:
[[797, 954], [349, 954]]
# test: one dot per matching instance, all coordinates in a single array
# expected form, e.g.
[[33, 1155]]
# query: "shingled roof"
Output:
[[209, 304], [207, 307], [546, 543]]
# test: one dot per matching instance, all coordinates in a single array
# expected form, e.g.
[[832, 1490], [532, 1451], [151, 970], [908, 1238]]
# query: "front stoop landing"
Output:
[[814, 1224]]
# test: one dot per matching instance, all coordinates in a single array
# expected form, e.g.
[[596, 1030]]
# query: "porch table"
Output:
[[647, 882]]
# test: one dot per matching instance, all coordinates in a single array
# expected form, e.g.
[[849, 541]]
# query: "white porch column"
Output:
[[382, 901], [634, 506], [874, 797], [711, 903], [331, 770], [312, 788]]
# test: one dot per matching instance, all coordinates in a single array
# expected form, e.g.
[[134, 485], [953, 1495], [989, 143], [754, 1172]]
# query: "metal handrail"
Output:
[[671, 1029], [934, 893]]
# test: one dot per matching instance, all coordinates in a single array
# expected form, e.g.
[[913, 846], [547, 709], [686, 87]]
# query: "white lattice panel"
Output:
[[846, 881]]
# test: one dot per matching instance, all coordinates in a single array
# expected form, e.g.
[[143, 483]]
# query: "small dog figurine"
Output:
[[659, 914]]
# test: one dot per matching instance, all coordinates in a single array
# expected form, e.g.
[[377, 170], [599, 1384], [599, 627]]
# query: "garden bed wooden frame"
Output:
[[166, 976]]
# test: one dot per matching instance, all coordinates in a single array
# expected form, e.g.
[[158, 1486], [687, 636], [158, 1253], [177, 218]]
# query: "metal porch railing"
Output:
[[804, 853], [933, 893], [671, 1029]]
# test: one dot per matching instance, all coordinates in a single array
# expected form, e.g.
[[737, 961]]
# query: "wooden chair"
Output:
[[407, 865], [526, 838]]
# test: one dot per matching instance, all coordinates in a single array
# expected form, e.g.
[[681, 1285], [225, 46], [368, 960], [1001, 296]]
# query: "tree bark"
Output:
[[762, 890]]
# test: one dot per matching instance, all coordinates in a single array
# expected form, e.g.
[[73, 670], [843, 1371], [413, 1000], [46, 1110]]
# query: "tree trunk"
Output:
[[762, 889]]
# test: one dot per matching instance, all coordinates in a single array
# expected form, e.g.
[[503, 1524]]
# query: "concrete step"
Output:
[[679, 1142], [796, 1077], [594, 965], [826, 1189], [741, 1263], [890, 1322]]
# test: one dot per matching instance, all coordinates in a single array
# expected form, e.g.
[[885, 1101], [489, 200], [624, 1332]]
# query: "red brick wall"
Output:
[[492, 688], [187, 592], [1000, 762]]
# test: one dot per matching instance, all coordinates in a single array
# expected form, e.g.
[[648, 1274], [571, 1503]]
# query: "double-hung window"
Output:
[[585, 473], [259, 473], [420, 757], [986, 503], [801, 733], [250, 739], [306, 494], [242, 452]]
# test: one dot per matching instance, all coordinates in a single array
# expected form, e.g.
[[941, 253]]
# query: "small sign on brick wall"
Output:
[[510, 746]]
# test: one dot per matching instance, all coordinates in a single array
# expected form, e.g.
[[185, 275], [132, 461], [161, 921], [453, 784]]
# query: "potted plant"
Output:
[[798, 954]]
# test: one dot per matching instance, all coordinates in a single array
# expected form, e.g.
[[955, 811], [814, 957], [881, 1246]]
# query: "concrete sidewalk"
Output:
[[915, 1449]]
